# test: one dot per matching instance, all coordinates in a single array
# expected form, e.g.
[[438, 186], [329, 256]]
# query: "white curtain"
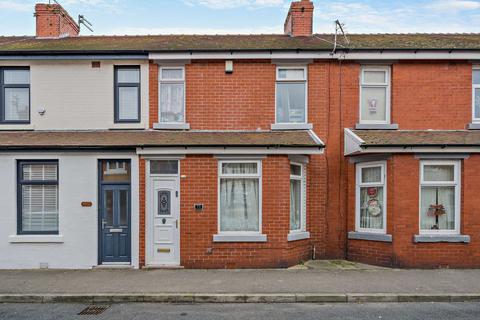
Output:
[[16, 104], [239, 198], [171, 102], [438, 196], [128, 103], [290, 102], [295, 204], [370, 219]]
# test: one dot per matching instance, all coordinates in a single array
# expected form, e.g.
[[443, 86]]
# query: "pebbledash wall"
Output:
[[76, 245], [443, 90]]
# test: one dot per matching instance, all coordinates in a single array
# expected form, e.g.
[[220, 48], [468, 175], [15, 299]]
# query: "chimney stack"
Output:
[[54, 22], [299, 22]]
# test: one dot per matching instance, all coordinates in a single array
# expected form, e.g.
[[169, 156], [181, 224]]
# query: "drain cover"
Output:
[[93, 310]]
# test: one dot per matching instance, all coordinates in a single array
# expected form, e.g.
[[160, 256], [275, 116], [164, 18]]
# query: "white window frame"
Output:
[[303, 197], [387, 85], [171, 81], [305, 80], [456, 183], [258, 176], [360, 184], [474, 86]]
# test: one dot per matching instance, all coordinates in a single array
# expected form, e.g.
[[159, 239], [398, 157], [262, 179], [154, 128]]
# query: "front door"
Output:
[[115, 223], [164, 221]]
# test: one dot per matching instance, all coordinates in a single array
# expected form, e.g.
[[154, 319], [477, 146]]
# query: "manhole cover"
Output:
[[93, 310]]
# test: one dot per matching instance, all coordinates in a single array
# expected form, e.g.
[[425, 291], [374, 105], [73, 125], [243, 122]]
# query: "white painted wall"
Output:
[[77, 245], [77, 96]]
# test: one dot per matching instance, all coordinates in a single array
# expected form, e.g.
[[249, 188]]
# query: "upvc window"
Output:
[[371, 213], [375, 95], [291, 95], [440, 197], [239, 197], [476, 94], [127, 94], [172, 95], [297, 197], [37, 197], [14, 95]]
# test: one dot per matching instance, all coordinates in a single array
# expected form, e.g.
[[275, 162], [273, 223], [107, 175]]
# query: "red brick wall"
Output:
[[299, 21], [52, 21]]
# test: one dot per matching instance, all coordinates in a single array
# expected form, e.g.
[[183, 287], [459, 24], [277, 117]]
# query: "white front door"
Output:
[[164, 220]]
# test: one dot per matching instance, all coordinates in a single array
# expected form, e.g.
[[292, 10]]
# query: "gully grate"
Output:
[[93, 310]]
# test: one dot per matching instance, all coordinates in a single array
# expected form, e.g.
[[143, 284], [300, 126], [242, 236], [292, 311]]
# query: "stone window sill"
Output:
[[365, 126], [473, 126], [292, 126], [381, 237], [433, 238], [35, 239], [239, 238], [171, 126], [298, 235]]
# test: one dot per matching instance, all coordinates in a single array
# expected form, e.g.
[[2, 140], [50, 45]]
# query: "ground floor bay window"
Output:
[[239, 198], [371, 197], [439, 197]]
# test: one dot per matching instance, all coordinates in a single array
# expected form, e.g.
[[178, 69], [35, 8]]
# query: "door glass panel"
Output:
[[164, 167], [164, 203], [108, 207], [123, 207], [115, 171]]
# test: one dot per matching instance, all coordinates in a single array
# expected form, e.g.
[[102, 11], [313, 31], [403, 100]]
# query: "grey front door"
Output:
[[115, 223]]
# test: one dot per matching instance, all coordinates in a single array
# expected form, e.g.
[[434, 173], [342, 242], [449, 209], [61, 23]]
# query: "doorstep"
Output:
[[113, 266], [164, 267]]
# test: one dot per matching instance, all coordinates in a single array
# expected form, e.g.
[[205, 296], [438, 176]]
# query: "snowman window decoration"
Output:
[[372, 105], [373, 206]]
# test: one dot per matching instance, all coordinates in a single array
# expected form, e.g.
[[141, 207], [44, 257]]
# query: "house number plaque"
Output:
[[87, 204]]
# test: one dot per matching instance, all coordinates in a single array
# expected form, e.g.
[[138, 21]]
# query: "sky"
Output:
[[250, 16]]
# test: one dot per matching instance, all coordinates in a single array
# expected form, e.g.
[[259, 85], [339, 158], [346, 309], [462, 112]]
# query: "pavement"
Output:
[[144, 311], [315, 281]]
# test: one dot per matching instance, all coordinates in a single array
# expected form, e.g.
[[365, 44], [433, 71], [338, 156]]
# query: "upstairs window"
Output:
[[375, 95], [172, 95], [14, 95], [291, 95], [127, 94], [476, 94]]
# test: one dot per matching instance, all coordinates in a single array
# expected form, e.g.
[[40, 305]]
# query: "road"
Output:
[[389, 311]]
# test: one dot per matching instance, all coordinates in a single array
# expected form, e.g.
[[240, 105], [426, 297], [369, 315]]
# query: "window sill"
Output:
[[35, 239], [366, 126], [172, 126], [239, 238], [292, 126], [370, 236], [432, 238], [473, 126], [298, 235]]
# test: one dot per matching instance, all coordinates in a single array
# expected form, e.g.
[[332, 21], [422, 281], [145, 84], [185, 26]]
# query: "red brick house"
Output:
[[237, 151]]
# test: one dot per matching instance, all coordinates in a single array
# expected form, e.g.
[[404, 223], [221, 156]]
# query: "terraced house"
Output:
[[238, 151]]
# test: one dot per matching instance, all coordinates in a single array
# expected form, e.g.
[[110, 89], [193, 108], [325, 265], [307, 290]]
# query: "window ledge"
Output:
[[370, 236], [35, 239], [366, 126], [292, 126], [298, 235], [239, 238], [431, 238], [172, 126], [473, 126]]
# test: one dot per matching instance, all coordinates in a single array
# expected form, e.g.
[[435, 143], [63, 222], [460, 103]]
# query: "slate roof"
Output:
[[401, 138], [159, 43], [128, 139]]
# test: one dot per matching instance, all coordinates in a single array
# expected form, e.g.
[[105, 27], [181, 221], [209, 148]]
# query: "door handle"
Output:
[[104, 223], [176, 223]]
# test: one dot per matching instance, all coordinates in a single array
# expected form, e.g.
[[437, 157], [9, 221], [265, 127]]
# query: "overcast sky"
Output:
[[250, 16]]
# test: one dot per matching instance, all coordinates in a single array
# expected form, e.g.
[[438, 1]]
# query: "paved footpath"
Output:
[[292, 285]]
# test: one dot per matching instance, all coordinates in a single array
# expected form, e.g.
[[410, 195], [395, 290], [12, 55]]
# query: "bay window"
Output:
[[172, 95], [375, 95], [371, 197], [476, 94], [439, 197], [14, 95], [37, 195], [291, 95], [127, 94], [239, 197]]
